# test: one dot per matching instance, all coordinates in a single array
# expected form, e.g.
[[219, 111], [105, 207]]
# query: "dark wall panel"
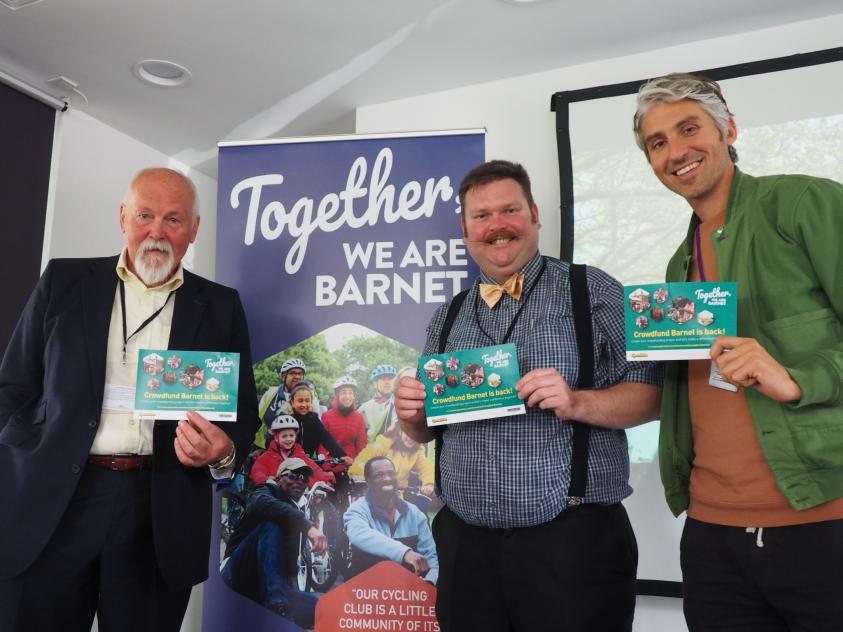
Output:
[[26, 143]]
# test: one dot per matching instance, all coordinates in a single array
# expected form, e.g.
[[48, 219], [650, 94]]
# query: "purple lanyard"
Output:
[[700, 267]]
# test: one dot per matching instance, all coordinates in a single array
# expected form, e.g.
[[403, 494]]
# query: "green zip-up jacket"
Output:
[[783, 244]]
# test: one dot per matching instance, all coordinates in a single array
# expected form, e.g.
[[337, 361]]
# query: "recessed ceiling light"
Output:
[[14, 5], [161, 72]]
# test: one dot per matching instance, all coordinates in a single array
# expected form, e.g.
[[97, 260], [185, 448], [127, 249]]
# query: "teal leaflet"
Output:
[[678, 321], [472, 384], [171, 382]]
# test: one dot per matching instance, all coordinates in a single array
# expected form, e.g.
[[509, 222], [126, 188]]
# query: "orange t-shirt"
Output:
[[731, 483]]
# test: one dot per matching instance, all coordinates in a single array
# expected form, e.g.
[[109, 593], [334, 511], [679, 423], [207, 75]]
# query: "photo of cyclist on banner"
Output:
[[414, 471], [261, 554], [331, 446], [376, 410], [382, 526]]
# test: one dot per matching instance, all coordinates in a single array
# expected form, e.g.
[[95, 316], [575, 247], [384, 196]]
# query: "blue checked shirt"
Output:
[[515, 471]]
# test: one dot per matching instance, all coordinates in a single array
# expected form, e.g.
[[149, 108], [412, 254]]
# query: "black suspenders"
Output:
[[581, 308], [582, 325], [450, 317]]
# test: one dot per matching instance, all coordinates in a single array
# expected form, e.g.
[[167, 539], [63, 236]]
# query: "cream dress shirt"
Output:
[[119, 432]]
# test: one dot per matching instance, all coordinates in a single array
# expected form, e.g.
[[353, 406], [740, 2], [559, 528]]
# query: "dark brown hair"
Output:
[[493, 171]]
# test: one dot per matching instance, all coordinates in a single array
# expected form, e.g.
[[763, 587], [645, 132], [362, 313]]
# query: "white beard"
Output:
[[152, 273]]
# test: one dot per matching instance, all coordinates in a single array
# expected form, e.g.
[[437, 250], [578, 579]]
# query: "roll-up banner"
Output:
[[341, 249]]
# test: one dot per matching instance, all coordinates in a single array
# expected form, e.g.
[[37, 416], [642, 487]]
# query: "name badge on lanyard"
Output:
[[715, 378]]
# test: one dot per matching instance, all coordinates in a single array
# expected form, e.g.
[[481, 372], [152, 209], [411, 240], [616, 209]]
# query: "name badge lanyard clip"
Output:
[[126, 338], [715, 378]]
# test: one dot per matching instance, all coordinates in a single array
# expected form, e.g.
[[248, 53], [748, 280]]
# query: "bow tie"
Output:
[[491, 294]]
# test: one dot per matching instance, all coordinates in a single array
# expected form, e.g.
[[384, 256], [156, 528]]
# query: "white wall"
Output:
[[93, 164], [521, 127]]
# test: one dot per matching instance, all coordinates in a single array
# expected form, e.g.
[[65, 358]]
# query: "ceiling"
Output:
[[275, 68]]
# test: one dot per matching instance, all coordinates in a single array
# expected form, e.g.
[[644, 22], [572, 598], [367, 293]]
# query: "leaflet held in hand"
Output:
[[472, 384], [171, 382], [678, 321]]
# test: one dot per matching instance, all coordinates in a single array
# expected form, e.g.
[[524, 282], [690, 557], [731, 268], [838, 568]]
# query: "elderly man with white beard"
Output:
[[104, 513]]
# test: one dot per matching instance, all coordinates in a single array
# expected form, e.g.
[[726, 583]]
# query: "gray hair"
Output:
[[166, 172], [677, 87]]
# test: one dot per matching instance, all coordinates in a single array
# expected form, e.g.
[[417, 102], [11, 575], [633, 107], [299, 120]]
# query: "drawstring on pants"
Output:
[[759, 537]]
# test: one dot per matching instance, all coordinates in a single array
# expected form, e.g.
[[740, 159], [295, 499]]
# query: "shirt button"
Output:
[[493, 503], [92, 423], [76, 468], [131, 421]]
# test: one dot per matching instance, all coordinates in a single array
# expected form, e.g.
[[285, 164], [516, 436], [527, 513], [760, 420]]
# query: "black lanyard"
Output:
[[524, 298], [126, 338]]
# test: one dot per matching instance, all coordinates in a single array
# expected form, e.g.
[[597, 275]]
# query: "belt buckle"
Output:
[[113, 458], [113, 464], [572, 502]]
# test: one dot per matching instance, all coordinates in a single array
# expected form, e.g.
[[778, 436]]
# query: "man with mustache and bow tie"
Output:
[[533, 532], [103, 513]]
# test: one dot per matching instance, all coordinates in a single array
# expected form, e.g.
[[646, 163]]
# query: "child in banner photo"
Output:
[[343, 421], [313, 435], [283, 446], [315, 404]]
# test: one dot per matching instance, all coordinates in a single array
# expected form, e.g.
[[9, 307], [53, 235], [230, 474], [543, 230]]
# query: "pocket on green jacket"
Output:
[[793, 337], [819, 447]]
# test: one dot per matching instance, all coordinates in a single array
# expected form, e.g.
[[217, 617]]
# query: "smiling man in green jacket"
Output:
[[759, 467]]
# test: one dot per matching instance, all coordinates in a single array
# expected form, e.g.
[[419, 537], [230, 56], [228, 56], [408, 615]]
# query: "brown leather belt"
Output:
[[121, 462]]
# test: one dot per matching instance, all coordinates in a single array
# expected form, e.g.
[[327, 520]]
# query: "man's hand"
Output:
[[622, 405], [409, 400], [747, 363], [409, 406], [198, 442], [419, 562], [347, 461], [548, 390], [427, 490], [318, 541]]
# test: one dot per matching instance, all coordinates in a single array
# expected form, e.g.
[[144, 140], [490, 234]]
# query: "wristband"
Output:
[[226, 461]]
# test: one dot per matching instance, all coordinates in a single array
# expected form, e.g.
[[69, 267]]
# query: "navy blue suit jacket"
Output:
[[51, 387]]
